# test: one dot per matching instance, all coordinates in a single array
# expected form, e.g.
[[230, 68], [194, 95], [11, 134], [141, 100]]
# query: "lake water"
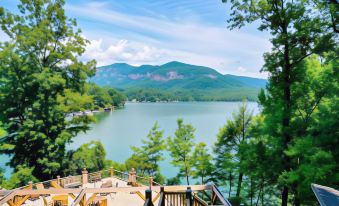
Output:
[[120, 129], [123, 128]]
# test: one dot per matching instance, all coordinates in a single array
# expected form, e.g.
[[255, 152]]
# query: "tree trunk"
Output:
[[239, 184], [296, 200], [258, 198], [262, 194], [230, 188], [286, 112], [251, 191], [284, 196]]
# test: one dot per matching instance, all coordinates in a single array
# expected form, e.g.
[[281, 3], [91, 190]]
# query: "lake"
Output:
[[120, 129]]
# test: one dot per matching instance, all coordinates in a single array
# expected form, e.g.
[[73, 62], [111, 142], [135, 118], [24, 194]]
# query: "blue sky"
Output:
[[158, 31]]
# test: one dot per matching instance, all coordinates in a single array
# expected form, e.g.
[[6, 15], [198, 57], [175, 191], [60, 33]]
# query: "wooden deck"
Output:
[[111, 188]]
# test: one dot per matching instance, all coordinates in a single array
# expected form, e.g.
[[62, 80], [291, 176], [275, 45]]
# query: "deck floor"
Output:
[[113, 199]]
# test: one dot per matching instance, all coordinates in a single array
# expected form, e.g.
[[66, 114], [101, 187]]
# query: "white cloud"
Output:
[[122, 51], [157, 40], [241, 69]]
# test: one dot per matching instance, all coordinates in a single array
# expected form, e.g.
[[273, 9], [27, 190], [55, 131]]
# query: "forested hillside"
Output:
[[177, 81]]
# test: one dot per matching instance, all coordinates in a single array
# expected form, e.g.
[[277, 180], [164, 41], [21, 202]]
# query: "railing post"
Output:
[[189, 201], [111, 171], [162, 196], [84, 176], [150, 182], [132, 177], [148, 197], [59, 180], [30, 185]]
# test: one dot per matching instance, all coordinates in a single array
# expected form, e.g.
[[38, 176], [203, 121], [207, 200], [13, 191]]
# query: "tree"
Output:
[[2, 177], [153, 147], [181, 147], [315, 115], [234, 133], [104, 96], [202, 163], [146, 158], [19, 178], [298, 29], [256, 160], [38, 65], [137, 161], [91, 156]]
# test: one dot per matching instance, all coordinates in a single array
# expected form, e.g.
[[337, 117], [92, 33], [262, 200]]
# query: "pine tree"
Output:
[[229, 139], [181, 148], [298, 29], [202, 163]]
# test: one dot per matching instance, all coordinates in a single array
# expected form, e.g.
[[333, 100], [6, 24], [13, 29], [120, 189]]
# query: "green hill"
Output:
[[177, 81]]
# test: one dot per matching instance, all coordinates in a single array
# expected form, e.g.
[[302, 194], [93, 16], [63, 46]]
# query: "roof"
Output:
[[326, 196]]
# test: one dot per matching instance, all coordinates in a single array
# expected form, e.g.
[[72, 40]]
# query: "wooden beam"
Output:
[[221, 198], [59, 190], [79, 197], [21, 201], [56, 185], [198, 199], [90, 200], [8, 197], [156, 197], [141, 195], [10, 203]]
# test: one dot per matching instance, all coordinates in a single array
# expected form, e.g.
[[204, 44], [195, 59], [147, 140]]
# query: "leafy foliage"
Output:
[[39, 71], [105, 97], [181, 149], [202, 163], [229, 139], [91, 156], [145, 159], [21, 177], [299, 29]]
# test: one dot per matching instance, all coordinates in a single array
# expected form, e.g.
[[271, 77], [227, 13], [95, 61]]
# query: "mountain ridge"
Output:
[[176, 77]]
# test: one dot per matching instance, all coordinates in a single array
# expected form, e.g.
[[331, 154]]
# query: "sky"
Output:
[[158, 31]]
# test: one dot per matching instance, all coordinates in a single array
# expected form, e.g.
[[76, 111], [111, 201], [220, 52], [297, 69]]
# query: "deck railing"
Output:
[[144, 187]]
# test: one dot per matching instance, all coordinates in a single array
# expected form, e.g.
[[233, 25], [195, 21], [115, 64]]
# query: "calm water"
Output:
[[120, 129]]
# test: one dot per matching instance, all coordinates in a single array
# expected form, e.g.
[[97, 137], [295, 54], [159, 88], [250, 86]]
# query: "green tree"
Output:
[[313, 153], [38, 65], [145, 159], [2, 177], [181, 148], [2, 131], [21, 177], [104, 96], [202, 163], [117, 98], [234, 133], [153, 147], [256, 160], [91, 156], [137, 161], [298, 29]]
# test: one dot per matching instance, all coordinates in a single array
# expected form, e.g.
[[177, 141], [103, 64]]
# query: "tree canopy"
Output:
[[39, 75]]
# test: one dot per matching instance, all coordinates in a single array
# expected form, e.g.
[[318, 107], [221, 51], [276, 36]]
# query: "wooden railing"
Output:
[[144, 187], [167, 195]]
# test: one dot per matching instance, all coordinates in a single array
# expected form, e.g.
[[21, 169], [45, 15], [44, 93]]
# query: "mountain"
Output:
[[179, 80]]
